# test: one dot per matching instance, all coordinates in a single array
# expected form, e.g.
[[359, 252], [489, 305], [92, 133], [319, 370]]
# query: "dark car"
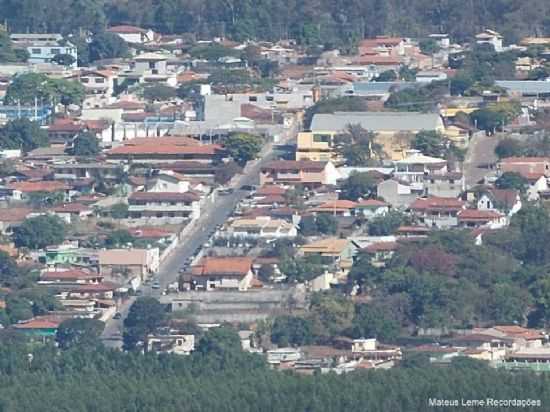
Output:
[[156, 285], [248, 188], [118, 315]]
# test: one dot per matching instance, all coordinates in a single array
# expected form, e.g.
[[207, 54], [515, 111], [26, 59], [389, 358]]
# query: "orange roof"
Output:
[[43, 186], [163, 197], [518, 331], [443, 203], [126, 29], [377, 60], [210, 149], [381, 247], [71, 208], [14, 214], [71, 274], [165, 140], [474, 214], [223, 266], [519, 159], [150, 232], [37, 323], [371, 203], [337, 204], [270, 190]]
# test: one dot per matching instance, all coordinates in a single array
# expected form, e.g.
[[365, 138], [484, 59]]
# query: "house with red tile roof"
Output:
[[13, 216], [22, 190], [222, 273], [507, 201], [164, 207], [69, 276], [474, 218], [440, 212], [336, 208], [133, 34], [158, 152], [303, 172], [370, 208], [71, 212]]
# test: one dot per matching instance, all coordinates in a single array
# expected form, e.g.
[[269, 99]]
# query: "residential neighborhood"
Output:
[[315, 207]]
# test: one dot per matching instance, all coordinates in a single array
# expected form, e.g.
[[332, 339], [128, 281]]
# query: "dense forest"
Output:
[[329, 22], [219, 376]]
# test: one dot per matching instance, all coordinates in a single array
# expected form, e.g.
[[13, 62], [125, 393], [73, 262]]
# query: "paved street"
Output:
[[214, 214], [481, 154]]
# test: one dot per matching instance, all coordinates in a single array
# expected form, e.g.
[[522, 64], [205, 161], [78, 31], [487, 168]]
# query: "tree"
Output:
[[22, 134], [119, 211], [266, 272], [430, 143], [330, 314], [326, 224], [331, 105], [107, 45], [79, 332], [428, 46], [243, 147], [7, 53], [460, 84], [386, 76], [386, 224], [145, 315], [159, 93], [39, 232], [8, 268], [291, 330], [28, 87], [86, 144], [512, 180], [358, 146], [372, 322], [63, 59], [359, 185], [119, 238], [509, 147], [224, 173]]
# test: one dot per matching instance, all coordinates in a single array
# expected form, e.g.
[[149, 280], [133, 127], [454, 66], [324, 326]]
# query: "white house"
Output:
[[262, 227], [164, 207], [133, 34], [99, 86], [42, 48], [370, 208], [490, 37]]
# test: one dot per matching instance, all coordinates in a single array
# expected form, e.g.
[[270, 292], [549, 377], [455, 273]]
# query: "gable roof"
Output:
[[237, 266], [163, 197], [286, 165], [326, 246], [126, 29], [376, 121], [42, 186], [437, 203]]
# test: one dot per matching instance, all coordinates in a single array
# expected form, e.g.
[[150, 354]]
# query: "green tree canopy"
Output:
[[105, 45], [359, 185], [512, 180], [22, 134], [159, 93], [145, 315], [27, 87], [39, 232], [86, 144], [79, 332], [243, 147]]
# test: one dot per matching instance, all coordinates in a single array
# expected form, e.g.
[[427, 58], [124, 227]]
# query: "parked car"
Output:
[[156, 285], [118, 315]]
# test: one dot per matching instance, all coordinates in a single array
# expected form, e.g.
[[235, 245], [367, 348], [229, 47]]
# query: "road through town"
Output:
[[213, 214]]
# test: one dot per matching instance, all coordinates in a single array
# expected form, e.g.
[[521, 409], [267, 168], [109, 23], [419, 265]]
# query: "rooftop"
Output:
[[223, 266], [376, 121]]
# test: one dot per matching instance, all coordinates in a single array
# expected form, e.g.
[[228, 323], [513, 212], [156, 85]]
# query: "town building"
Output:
[[222, 273], [164, 207], [305, 173], [42, 48], [137, 262], [440, 212]]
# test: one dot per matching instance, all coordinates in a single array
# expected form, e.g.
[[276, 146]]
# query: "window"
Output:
[[55, 51], [451, 181], [85, 80], [269, 98], [321, 138], [100, 80], [36, 51], [151, 65], [252, 98]]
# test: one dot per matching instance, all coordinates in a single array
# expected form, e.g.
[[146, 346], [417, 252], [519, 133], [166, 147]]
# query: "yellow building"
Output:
[[318, 147]]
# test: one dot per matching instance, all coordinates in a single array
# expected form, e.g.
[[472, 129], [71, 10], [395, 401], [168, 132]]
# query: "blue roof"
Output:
[[526, 87], [366, 88]]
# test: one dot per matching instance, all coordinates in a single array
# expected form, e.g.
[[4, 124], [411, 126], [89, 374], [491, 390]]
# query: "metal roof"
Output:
[[376, 121], [526, 87]]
